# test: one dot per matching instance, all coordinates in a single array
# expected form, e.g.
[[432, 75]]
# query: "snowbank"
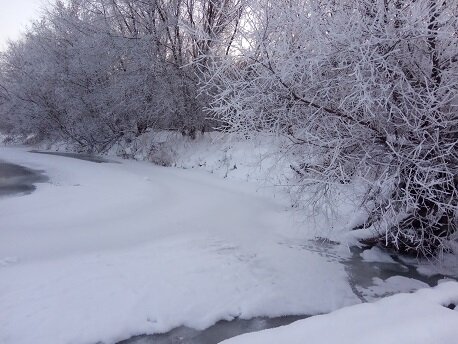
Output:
[[419, 318], [232, 156]]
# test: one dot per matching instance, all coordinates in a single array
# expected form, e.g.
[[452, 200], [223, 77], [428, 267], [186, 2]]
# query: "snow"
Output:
[[226, 155], [419, 318], [375, 254], [106, 251], [390, 286]]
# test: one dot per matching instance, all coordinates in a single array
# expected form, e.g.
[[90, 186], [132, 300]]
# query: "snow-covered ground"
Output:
[[106, 251]]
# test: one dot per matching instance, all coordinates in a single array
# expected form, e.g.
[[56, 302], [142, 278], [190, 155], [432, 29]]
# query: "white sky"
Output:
[[15, 15]]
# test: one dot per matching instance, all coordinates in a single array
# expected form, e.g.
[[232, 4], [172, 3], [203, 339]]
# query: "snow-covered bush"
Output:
[[366, 91]]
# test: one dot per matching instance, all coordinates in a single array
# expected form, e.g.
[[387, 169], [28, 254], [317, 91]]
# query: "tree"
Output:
[[366, 92], [98, 71]]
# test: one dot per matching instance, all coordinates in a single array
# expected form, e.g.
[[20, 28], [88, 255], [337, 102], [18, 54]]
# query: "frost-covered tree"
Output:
[[96, 71], [366, 92]]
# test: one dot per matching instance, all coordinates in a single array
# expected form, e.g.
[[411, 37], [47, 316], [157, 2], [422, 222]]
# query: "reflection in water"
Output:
[[214, 334], [16, 179]]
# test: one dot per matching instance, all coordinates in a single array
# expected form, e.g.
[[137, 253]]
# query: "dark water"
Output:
[[214, 334], [16, 179], [361, 273], [86, 157]]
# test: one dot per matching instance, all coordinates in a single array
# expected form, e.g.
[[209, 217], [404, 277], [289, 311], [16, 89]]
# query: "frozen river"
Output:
[[107, 252], [16, 179]]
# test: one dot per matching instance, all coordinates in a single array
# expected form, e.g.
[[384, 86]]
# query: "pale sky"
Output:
[[15, 15]]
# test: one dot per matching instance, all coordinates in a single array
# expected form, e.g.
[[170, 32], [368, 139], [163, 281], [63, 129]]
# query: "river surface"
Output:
[[80, 156], [20, 180], [16, 179], [361, 274], [214, 334]]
